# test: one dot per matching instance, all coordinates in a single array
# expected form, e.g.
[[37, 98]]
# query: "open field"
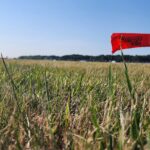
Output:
[[74, 106]]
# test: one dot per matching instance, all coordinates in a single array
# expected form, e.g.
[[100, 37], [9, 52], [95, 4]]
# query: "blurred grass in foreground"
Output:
[[73, 105]]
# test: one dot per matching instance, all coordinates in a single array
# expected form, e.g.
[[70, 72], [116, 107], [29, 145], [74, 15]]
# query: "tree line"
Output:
[[100, 58]]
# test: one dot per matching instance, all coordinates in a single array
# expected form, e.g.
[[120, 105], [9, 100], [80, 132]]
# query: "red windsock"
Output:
[[129, 40]]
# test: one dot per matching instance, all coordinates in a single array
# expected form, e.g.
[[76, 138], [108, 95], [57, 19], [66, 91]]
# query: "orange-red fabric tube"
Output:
[[129, 40]]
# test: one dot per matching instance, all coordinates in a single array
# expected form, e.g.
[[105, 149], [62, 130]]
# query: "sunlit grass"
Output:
[[73, 105]]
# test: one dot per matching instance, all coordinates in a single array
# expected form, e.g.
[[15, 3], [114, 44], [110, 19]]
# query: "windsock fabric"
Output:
[[129, 40]]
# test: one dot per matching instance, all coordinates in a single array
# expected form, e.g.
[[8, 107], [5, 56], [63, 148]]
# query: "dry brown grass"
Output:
[[74, 105]]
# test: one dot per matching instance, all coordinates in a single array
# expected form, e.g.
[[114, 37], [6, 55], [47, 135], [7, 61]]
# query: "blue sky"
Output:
[[59, 27]]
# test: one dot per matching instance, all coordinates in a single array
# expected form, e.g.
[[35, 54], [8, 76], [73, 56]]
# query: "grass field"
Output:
[[74, 106]]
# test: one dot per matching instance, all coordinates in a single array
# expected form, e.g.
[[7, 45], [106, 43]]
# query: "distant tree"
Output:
[[100, 58]]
